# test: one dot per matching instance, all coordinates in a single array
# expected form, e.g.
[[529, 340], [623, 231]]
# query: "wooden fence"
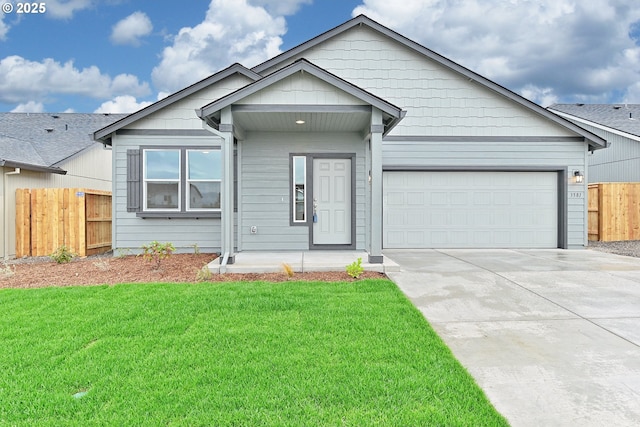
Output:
[[48, 218], [614, 211]]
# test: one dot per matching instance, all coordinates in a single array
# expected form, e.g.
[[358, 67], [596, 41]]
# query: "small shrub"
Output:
[[123, 252], [196, 249], [7, 270], [204, 274], [62, 255], [355, 268], [287, 270], [156, 252]]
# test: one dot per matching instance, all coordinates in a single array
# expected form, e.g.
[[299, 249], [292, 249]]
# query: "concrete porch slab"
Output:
[[300, 261]]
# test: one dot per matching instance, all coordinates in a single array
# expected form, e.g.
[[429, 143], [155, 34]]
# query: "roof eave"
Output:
[[595, 141], [104, 135], [34, 168]]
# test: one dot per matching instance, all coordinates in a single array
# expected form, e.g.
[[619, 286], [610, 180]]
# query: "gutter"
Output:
[[225, 238], [5, 222], [223, 263]]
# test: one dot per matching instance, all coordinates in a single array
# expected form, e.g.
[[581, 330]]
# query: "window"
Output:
[[162, 180], [299, 196], [181, 179], [203, 179]]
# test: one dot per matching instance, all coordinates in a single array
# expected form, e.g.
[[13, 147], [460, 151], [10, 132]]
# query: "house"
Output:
[[619, 124], [356, 139], [44, 150]]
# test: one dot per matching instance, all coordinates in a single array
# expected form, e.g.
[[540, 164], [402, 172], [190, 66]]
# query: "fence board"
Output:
[[614, 211], [23, 221], [593, 200], [51, 217]]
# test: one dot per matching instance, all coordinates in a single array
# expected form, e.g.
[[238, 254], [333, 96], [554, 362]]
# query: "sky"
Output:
[[121, 55]]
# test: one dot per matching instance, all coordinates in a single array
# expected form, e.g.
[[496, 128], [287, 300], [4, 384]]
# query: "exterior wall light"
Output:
[[299, 122], [579, 177]]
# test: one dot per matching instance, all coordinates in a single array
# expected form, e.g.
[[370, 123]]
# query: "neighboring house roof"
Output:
[[41, 141], [393, 114], [103, 134], [615, 117]]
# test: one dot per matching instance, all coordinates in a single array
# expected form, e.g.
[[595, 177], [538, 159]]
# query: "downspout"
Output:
[[225, 256], [5, 223]]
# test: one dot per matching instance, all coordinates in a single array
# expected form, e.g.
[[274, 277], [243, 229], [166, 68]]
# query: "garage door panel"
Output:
[[470, 209]]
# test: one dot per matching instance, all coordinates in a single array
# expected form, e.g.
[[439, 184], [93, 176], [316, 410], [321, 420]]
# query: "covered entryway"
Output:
[[476, 209], [332, 201], [295, 140]]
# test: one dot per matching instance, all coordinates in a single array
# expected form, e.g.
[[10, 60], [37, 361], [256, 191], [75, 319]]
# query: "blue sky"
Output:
[[121, 55]]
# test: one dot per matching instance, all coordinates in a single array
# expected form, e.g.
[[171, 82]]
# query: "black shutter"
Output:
[[133, 181]]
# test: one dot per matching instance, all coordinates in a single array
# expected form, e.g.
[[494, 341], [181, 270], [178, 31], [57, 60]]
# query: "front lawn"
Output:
[[242, 354]]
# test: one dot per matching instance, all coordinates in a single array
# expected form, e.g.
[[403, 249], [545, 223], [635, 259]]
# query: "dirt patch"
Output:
[[98, 270]]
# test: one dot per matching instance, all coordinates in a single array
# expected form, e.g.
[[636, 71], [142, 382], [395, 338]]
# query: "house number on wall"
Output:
[[576, 194]]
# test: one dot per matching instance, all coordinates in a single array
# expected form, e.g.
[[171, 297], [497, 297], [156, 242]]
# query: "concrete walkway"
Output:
[[552, 336], [300, 261]]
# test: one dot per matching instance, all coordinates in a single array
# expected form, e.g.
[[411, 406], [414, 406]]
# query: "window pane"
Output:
[[204, 195], [205, 164], [161, 195], [162, 164], [299, 170], [299, 190]]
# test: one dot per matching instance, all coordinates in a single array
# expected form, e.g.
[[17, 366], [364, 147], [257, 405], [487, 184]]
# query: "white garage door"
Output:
[[470, 210]]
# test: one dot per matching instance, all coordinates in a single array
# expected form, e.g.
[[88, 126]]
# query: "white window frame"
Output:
[[294, 191], [189, 181], [146, 180]]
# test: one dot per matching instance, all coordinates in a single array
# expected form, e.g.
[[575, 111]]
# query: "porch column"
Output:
[[375, 251], [226, 196]]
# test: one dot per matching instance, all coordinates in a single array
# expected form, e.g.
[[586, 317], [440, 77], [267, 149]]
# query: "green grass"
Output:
[[241, 354]]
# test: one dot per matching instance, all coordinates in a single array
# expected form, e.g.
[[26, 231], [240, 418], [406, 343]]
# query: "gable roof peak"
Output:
[[103, 135]]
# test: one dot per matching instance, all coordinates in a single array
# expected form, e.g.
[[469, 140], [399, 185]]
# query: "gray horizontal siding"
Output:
[[131, 232], [265, 189], [620, 162]]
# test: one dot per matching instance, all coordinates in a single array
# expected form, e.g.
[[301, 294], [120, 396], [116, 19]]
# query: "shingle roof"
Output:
[[622, 117], [43, 140]]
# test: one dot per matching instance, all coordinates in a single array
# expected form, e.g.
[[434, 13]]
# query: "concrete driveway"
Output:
[[551, 336]]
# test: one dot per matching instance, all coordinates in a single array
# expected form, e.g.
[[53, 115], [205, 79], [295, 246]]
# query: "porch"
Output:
[[300, 261]]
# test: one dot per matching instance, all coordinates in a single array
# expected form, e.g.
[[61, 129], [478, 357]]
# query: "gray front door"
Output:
[[332, 201]]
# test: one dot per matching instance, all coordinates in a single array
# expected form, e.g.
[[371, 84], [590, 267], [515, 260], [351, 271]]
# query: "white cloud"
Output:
[[122, 104], [4, 28], [24, 79], [542, 96], [232, 31], [29, 107], [64, 9], [281, 7], [583, 50], [130, 29]]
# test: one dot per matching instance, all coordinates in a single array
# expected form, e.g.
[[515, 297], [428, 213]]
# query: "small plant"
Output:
[[287, 270], [62, 255], [196, 249], [156, 252], [355, 268], [204, 274], [7, 270], [123, 252]]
